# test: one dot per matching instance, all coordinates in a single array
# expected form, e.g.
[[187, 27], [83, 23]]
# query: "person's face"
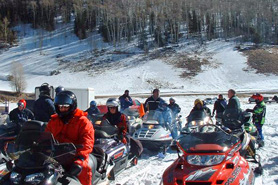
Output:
[[20, 107], [172, 102], [126, 93], [156, 94], [230, 94], [113, 110], [64, 108], [199, 106]]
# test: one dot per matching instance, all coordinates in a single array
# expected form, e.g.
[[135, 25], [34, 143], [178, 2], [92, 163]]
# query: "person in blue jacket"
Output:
[[44, 106], [93, 108], [125, 100], [163, 115]]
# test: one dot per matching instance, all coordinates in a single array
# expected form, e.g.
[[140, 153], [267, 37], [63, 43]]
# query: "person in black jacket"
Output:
[[219, 106], [152, 102], [175, 108], [21, 114], [44, 106]]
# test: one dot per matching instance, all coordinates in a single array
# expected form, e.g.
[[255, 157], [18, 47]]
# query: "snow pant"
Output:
[[174, 130], [85, 177], [260, 130]]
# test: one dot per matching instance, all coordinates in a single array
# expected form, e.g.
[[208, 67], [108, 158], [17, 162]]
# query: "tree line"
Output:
[[157, 22]]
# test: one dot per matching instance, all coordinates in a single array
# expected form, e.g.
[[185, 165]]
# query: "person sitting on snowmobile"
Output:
[[259, 112], [219, 106], [21, 114], [164, 116], [44, 106], [198, 106], [71, 124], [175, 108], [152, 100], [59, 89], [93, 108], [125, 100], [115, 117]]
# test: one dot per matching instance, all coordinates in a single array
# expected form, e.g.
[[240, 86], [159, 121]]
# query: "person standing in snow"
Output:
[[233, 100], [152, 102], [44, 106], [259, 112], [125, 100], [219, 106]]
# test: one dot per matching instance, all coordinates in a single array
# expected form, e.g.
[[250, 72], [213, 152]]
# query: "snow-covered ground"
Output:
[[228, 69], [150, 167]]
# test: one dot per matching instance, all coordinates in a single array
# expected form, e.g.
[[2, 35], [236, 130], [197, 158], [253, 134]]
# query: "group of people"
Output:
[[67, 123]]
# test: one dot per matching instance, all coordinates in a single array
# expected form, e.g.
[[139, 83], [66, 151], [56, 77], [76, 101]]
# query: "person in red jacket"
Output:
[[115, 117], [71, 124]]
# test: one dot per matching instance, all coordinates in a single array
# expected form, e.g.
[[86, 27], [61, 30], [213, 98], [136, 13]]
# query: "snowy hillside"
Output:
[[43, 52], [131, 69]]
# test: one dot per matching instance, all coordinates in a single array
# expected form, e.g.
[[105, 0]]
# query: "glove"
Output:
[[75, 169]]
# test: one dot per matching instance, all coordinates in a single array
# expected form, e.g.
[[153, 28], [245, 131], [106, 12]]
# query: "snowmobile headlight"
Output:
[[98, 122], [205, 160], [35, 178], [151, 127], [193, 123], [15, 178]]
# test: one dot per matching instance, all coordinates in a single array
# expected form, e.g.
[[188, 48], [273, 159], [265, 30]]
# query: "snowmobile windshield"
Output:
[[152, 117], [103, 129], [33, 148], [206, 142], [197, 116], [131, 112]]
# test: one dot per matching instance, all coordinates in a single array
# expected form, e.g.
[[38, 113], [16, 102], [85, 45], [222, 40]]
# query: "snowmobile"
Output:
[[39, 159], [119, 154], [195, 120], [211, 157], [153, 135], [134, 120]]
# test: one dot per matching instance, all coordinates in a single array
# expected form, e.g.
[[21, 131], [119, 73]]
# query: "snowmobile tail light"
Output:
[[15, 178], [193, 123], [35, 178], [151, 126], [205, 160]]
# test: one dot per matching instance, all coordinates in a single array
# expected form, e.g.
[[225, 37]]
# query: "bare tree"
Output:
[[17, 77]]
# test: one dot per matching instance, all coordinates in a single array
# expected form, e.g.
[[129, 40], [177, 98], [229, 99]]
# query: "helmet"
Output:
[[59, 89], [257, 97], [65, 98], [172, 99], [22, 102], [113, 102], [93, 103], [45, 88], [198, 101], [162, 104]]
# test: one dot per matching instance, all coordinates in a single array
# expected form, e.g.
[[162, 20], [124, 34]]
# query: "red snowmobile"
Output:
[[209, 158]]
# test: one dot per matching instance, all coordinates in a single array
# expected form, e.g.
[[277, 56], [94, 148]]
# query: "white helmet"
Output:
[[113, 102]]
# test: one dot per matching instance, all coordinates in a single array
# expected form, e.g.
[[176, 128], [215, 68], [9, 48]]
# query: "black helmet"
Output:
[[59, 89], [65, 98], [45, 89]]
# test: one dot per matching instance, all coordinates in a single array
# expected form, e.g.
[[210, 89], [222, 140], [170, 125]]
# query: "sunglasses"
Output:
[[20, 104], [63, 106]]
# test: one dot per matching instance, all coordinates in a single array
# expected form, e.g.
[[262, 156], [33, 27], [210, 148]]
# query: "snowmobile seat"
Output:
[[33, 126], [99, 157]]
